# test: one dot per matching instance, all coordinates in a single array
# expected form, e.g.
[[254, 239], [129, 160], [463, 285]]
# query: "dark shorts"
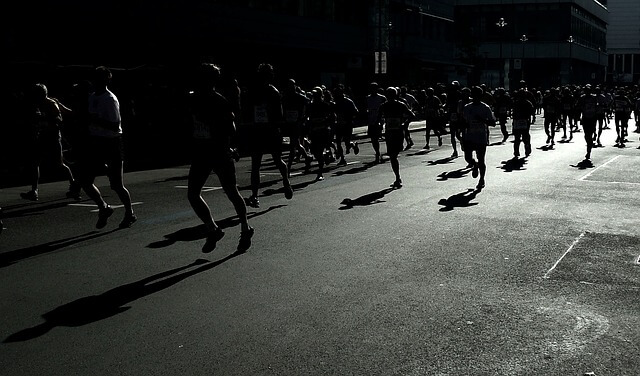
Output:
[[320, 139], [267, 140], [48, 150], [395, 141], [205, 159], [374, 130]]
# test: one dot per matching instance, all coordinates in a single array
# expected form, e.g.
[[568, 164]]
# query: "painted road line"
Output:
[[546, 275], [97, 210], [204, 189], [597, 168]]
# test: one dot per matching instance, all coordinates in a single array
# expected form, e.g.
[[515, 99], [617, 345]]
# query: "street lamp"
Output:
[[571, 40], [501, 24], [523, 39]]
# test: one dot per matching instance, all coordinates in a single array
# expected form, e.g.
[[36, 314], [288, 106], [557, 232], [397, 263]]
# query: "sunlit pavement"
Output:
[[537, 274]]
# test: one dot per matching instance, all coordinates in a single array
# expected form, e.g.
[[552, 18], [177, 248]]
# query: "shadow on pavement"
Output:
[[368, 199], [11, 257], [110, 303], [441, 161], [198, 232], [35, 207], [175, 178], [455, 174], [460, 200], [546, 148], [514, 164], [583, 165], [354, 170]]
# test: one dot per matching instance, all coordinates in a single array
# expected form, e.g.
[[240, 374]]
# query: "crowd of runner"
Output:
[[318, 123]]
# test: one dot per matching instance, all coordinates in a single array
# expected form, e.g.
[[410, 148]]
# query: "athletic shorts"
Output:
[[395, 141]]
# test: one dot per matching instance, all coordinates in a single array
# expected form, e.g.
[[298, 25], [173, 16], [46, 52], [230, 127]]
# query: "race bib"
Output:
[[520, 124], [394, 123], [260, 114], [201, 131], [454, 116]]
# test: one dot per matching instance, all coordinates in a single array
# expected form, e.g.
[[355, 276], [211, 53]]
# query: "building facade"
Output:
[[623, 42], [546, 43]]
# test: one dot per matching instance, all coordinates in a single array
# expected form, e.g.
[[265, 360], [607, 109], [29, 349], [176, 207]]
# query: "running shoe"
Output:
[[103, 216], [128, 220], [31, 195], [253, 202], [439, 141], [356, 148], [396, 184], [288, 191], [245, 240], [212, 239], [474, 172]]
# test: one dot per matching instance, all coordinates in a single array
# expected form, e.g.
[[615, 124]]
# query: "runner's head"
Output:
[[391, 93], [209, 75], [476, 93]]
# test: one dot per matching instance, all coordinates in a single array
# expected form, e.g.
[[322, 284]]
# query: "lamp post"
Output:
[[501, 24], [571, 40], [523, 39]]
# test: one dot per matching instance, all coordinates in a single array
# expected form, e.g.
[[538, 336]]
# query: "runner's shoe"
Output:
[[31, 195], [212, 239], [253, 202], [128, 220], [103, 216], [397, 184], [356, 148], [245, 240]]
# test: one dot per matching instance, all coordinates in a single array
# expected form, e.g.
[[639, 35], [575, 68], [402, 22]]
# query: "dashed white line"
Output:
[[97, 210], [599, 167], [204, 189], [546, 275]]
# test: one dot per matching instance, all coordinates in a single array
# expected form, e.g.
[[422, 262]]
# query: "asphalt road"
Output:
[[537, 274]]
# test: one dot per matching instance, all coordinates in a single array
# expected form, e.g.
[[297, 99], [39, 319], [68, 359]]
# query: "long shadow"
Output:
[[546, 148], [460, 200], [112, 302], [263, 184], [583, 165], [441, 161], [175, 178], [11, 257], [198, 232], [355, 170], [366, 200], [514, 164], [455, 174], [34, 208], [419, 152]]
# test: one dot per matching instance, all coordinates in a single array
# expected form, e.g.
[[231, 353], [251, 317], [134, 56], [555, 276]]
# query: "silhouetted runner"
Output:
[[212, 119]]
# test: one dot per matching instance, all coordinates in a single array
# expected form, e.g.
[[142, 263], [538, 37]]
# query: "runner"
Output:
[[105, 148], [552, 109], [600, 114], [266, 137], [588, 105], [568, 103], [294, 104], [477, 116], [213, 126], [452, 107], [46, 121], [412, 103], [346, 111], [622, 109], [523, 110], [502, 110], [374, 100], [394, 113], [433, 110], [320, 117]]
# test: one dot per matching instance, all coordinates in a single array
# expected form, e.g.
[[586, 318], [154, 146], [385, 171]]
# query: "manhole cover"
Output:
[[601, 259]]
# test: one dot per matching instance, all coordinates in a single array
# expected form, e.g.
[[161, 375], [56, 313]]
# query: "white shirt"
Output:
[[106, 107]]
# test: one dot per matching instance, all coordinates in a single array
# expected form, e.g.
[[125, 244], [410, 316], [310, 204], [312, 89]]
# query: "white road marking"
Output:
[[546, 275], [204, 189], [597, 168], [97, 210]]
